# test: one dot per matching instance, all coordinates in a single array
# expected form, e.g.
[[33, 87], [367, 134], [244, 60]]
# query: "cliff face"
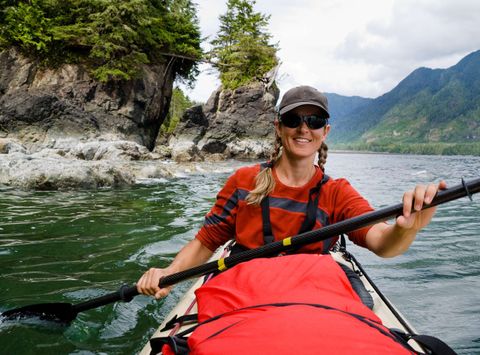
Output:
[[232, 124], [40, 107]]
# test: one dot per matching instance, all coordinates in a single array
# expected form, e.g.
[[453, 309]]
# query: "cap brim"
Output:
[[303, 103]]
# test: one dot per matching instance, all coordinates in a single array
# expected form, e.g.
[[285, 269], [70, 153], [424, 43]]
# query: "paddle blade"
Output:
[[57, 312]]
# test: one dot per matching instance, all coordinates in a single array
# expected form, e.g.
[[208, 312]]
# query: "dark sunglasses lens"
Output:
[[315, 122], [291, 120]]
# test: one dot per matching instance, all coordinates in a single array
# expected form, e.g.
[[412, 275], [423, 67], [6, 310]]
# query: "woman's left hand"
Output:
[[413, 201]]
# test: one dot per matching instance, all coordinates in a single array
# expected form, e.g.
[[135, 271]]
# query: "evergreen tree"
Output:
[[179, 103], [113, 37], [241, 50]]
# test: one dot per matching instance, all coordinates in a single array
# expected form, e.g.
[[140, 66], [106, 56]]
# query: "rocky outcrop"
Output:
[[39, 106], [232, 124], [71, 164], [90, 165], [60, 129]]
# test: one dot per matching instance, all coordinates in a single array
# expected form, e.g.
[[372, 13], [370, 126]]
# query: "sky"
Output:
[[353, 47]]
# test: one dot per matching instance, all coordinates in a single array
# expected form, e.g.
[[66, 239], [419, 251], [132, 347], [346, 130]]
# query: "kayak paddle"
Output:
[[66, 312]]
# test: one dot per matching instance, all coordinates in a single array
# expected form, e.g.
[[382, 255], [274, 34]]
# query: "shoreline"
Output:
[[71, 165], [346, 151]]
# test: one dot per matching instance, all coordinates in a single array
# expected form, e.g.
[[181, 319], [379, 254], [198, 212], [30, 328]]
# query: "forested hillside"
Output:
[[430, 111]]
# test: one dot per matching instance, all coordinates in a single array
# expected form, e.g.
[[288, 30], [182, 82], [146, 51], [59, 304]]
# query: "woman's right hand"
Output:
[[148, 284], [192, 254]]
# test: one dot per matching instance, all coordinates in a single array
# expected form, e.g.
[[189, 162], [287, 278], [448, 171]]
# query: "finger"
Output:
[[152, 282], [141, 287], [407, 203], [419, 197], [143, 284], [406, 222], [162, 293], [442, 185], [430, 193]]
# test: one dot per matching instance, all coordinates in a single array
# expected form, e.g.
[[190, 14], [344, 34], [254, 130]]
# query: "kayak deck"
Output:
[[383, 308]]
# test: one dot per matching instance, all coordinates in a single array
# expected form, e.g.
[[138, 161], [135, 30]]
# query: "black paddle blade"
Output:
[[57, 312]]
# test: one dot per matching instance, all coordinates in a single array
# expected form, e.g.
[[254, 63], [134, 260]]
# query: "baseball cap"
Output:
[[303, 95]]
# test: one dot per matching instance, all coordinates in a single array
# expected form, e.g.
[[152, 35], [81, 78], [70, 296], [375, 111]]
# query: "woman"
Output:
[[291, 194]]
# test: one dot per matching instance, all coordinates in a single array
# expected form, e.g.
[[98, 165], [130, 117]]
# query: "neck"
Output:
[[294, 172]]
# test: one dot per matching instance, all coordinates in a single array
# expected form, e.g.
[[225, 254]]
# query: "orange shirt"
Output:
[[231, 216]]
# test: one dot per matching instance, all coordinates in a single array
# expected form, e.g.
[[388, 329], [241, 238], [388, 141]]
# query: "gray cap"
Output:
[[303, 95]]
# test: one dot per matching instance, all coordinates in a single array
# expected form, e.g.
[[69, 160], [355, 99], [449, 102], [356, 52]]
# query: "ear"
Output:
[[327, 130], [276, 123]]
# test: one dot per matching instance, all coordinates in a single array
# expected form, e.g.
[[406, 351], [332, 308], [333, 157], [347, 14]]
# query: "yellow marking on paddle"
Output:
[[221, 264], [287, 241]]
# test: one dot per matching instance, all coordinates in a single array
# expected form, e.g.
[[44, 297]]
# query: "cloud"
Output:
[[415, 33], [357, 47]]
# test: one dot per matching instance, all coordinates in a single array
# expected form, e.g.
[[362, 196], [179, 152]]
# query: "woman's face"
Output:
[[302, 142]]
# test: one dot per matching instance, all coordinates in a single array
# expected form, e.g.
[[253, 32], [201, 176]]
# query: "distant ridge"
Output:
[[430, 111]]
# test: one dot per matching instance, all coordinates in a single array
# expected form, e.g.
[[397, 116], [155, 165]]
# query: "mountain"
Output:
[[340, 106], [437, 109]]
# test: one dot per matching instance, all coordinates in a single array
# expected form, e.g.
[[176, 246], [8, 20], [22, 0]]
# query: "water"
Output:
[[74, 246]]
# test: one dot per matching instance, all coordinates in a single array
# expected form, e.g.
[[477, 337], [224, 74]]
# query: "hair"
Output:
[[264, 181]]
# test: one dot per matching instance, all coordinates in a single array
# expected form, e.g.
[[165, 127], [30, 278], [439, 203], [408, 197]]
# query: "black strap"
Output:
[[179, 345], [358, 286], [267, 225], [265, 204], [312, 206], [308, 222], [185, 319], [435, 345]]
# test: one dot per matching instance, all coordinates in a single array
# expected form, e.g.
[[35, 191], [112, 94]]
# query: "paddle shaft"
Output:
[[332, 230], [125, 293]]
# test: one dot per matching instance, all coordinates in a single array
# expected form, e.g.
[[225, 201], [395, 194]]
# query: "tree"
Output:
[[179, 103], [241, 50], [114, 38]]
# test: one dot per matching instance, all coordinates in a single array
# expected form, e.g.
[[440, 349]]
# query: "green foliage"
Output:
[[29, 26], [241, 49], [178, 104], [113, 37]]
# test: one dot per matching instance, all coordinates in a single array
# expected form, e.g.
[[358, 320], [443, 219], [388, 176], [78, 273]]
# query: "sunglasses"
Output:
[[292, 120]]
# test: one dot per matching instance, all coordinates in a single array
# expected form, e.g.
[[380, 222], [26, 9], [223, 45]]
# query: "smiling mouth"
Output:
[[302, 140]]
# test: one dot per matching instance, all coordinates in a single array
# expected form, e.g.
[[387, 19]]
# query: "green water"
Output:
[[73, 246]]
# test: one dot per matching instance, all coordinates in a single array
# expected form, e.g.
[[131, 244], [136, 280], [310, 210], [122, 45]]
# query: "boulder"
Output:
[[232, 124]]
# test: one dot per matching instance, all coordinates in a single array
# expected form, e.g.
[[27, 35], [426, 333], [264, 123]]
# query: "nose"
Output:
[[303, 126]]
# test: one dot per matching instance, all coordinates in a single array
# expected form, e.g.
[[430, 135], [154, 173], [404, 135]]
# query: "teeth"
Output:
[[302, 140]]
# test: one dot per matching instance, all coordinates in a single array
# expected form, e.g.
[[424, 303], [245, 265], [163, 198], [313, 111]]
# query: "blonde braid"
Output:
[[322, 156], [264, 181]]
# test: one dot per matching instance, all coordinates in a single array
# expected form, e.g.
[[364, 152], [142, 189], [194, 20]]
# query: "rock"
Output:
[[55, 174], [8, 146], [117, 150], [38, 105], [49, 170], [67, 164], [232, 124], [184, 150]]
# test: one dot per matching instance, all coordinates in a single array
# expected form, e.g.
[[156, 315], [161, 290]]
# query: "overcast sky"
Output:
[[353, 47]]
